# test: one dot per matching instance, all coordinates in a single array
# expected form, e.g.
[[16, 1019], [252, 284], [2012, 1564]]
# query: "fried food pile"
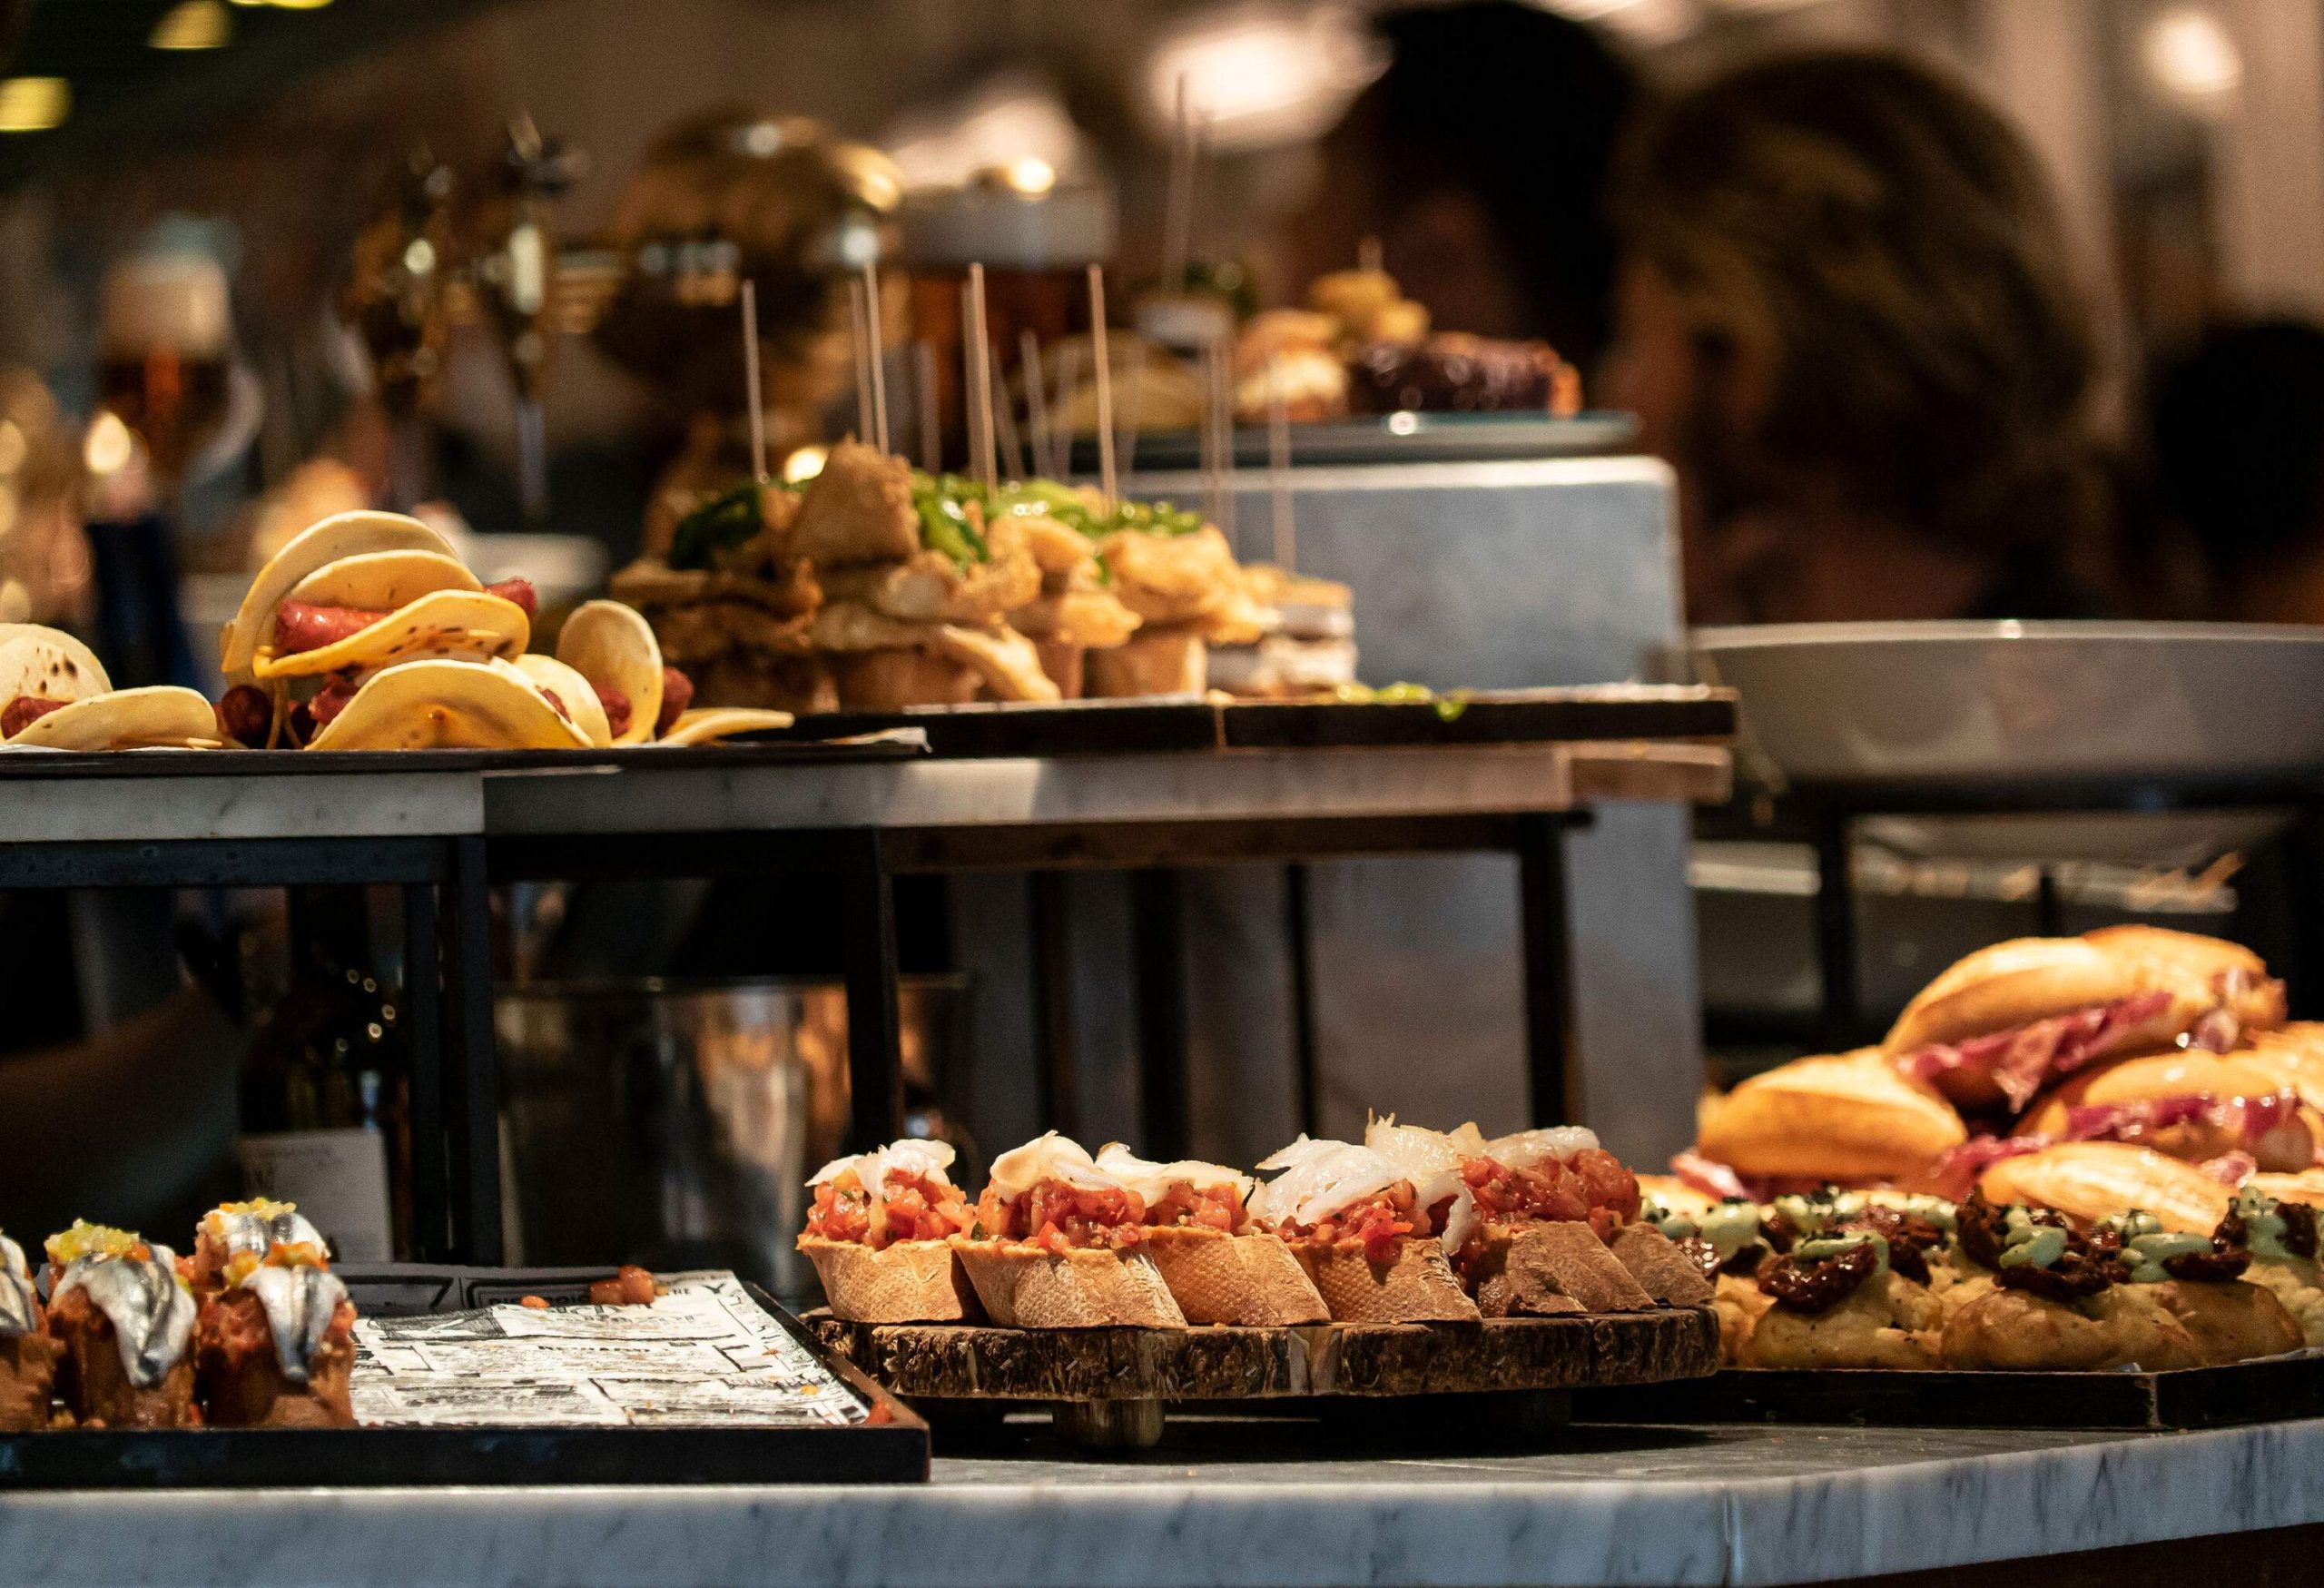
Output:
[[876, 587]]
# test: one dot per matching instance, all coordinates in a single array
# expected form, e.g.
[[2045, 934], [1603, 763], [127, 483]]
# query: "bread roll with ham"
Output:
[[2238, 977], [2192, 1105], [2090, 1180], [1221, 1267], [1844, 1118], [2000, 1025]]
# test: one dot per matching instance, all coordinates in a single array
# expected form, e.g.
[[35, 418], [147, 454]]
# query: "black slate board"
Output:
[[2272, 1389], [894, 1449], [1097, 727]]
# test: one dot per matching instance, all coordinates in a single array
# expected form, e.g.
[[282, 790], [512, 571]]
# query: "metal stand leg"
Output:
[[423, 1010], [1836, 931], [2049, 904], [1549, 979], [472, 1088], [2303, 864], [875, 1064], [1307, 1092], [1161, 990], [1059, 1101]]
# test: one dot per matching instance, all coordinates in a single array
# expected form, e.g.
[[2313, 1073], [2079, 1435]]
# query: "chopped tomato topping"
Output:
[[1379, 1222], [1216, 1208], [916, 1208], [1592, 1185], [1058, 1216]]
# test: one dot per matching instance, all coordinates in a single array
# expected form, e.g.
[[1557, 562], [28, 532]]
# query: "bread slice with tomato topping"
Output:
[[1220, 1267], [1059, 1243], [1357, 1223], [880, 1234]]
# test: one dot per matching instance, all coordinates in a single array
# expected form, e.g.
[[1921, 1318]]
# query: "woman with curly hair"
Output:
[[1847, 318]]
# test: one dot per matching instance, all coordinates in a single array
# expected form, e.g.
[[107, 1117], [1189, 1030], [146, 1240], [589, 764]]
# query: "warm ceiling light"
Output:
[[1256, 75], [299, 4], [2191, 56], [33, 104], [804, 465], [193, 24]]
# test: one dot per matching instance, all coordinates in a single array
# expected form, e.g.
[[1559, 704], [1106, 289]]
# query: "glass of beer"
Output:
[[164, 338]]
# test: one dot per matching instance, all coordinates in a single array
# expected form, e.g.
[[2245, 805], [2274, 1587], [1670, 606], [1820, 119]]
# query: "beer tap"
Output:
[[397, 301], [515, 282]]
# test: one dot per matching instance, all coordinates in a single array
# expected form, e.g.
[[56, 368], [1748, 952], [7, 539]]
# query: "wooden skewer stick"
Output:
[[857, 332], [750, 378], [1287, 532], [1037, 402], [877, 353], [1068, 371], [1177, 203], [1012, 443], [1368, 254], [981, 379], [1207, 435], [1103, 373], [923, 384], [1230, 513]]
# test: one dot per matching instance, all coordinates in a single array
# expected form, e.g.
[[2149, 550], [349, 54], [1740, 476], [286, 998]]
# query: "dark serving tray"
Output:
[[893, 1448], [1092, 727], [757, 749], [2271, 1389]]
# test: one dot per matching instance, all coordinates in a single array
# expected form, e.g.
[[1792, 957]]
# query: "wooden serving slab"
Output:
[[1110, 1385]]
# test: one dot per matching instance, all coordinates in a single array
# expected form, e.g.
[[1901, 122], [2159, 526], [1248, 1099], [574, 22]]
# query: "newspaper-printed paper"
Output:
[[703, 1354]]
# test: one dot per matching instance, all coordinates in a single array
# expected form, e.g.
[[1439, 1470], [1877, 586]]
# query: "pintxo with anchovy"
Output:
[[124, 1317]]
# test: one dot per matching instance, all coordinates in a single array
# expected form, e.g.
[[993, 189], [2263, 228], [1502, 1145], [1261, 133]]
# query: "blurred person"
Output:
[[1478, 159], [2235, 436], [1847, 318]]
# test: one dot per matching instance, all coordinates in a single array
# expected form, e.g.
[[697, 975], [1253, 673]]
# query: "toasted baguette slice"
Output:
[[913, 1281], [1417, 1287], [1660, 1269], [1838, 1117], [2098, 1180], [1529, 1269], [1023, 1288], [1222, 1278]]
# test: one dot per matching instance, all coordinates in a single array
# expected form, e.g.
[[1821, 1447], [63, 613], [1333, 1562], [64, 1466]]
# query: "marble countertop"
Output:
[[1266, 1505]]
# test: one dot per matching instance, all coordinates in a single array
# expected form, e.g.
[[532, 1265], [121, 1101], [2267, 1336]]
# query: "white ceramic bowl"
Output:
[[2003, 702]]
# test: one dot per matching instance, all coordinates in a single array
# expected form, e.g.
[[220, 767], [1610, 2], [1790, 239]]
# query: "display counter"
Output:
[[1727, 1505]]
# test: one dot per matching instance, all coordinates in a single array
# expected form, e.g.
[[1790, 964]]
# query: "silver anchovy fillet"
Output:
[[299, 1303], [152, 1313]]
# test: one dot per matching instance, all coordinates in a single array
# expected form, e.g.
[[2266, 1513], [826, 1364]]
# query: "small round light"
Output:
[[804, 465], [109, 446]]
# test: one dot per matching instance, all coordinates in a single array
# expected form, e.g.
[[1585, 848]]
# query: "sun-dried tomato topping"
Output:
[[1058, 1216], [1213, 1208], [916, 1208], [1820, 1283]]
